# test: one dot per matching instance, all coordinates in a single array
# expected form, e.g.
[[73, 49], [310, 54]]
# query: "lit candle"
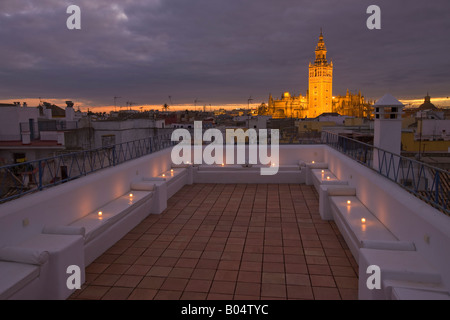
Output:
[[163, 175], [313, 161], [100, 213], [131, 195], [323, 171], [349, 202], [363, 220], [223, 164], [328, 178]]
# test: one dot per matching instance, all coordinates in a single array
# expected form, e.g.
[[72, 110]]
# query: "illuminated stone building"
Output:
[[286, 107], [353, 105], [319, 97], [320, 82]]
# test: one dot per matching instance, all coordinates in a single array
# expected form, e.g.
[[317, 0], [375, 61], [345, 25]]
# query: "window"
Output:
[[19, 157]]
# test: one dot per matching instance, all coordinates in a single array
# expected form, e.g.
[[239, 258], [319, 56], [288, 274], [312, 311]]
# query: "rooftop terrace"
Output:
[[229, 241], [140, 227]]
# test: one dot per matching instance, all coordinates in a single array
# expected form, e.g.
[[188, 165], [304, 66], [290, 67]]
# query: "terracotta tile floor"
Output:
[[234, 241]]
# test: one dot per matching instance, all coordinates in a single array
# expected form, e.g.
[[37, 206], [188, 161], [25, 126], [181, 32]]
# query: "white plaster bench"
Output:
[[308, 166], [108, 223], [59, 221], [320, 177], [327, 190], [361, 229], [21, 269], [238, 173], [405, 275], [244, 167], [170, 182], [176, 178], [51, 254], [422, 293]]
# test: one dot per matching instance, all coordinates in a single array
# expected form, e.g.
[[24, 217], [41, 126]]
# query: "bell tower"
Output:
[[320, 82]]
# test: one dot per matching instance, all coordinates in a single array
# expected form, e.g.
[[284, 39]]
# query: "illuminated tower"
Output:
[[320, 82]]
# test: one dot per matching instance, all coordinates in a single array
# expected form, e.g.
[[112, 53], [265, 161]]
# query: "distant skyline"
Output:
[[218, 53], [442, 102]]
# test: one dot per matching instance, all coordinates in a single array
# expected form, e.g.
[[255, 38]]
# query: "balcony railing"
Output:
[[431, 184], [20, 179]]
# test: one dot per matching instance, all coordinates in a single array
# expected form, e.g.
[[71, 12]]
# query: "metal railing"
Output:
[[429, 183], [20, 179]]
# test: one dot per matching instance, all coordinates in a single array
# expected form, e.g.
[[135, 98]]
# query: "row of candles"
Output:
[[363, 220], [100, 213], [323, 173], [171, 173]]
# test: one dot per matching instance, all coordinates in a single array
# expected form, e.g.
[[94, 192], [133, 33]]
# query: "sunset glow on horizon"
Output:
[[443, 102]]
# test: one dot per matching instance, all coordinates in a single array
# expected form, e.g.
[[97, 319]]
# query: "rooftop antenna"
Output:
[[130, 103], [248, 110], [115, 99], [195, 103]]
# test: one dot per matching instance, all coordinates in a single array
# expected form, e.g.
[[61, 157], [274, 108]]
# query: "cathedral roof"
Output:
[[427, 105]]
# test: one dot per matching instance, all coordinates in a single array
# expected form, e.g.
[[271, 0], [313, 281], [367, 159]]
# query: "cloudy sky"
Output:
[[219, 51]]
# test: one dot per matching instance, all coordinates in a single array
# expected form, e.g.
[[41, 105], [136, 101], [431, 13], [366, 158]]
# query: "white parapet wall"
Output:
[[79, 231], [62, 204], [406, 216]]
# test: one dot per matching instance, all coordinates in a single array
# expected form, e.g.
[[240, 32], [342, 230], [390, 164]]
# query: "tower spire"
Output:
[[321, 51]]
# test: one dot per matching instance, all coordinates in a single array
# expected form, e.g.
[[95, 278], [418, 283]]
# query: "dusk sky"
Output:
[[219, 52]]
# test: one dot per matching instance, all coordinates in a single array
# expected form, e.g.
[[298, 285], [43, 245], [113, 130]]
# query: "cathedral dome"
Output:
[[427, 105]]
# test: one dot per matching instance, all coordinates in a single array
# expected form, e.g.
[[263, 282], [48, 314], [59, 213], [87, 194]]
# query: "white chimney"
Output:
[[70, 113], [387, 129]]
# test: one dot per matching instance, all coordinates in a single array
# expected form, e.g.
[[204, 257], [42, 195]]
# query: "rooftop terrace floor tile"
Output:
[[228, 242]]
